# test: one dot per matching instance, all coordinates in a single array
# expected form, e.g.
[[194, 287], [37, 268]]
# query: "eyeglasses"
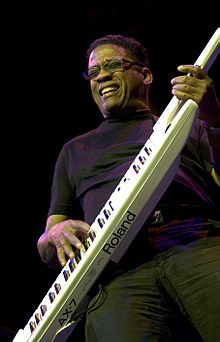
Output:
[[110, 66]]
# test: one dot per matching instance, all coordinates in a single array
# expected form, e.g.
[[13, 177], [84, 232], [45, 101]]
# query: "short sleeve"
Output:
[[62, 192]]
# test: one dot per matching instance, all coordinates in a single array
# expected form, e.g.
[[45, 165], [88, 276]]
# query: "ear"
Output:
[[148, 77]]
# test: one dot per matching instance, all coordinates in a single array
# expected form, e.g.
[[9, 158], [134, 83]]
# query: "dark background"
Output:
[[45, 102]]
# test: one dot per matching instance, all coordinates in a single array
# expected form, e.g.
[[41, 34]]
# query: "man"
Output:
[[172, 266]]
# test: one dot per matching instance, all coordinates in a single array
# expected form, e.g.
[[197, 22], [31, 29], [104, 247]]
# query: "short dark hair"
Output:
[[133, 48]]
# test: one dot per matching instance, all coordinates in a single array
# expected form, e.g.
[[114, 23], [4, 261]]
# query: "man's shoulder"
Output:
[[82, 138]]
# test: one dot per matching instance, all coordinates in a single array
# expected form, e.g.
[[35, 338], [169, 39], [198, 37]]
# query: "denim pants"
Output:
[[142, 305]]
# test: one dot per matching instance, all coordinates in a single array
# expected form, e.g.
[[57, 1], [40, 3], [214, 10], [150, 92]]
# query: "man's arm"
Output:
[[210, 114], [214, 146], [198, 86], [60, 235]]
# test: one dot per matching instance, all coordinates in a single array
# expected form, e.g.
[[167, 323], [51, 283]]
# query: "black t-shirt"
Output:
[[90, 166]]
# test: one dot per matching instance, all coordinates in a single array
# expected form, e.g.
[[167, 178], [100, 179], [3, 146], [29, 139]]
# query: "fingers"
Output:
[[79, 226], [72, 238], [184, 91], [191, 86], [63, 250], [61, 256], [194, 70], [65, 236]]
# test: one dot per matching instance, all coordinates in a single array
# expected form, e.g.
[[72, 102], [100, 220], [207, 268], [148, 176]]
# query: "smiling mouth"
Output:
[[108, 90]]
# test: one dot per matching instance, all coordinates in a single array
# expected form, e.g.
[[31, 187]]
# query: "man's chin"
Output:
[[110, 111]]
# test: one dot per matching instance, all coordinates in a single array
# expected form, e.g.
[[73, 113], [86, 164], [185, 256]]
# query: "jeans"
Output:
[[142, 305]]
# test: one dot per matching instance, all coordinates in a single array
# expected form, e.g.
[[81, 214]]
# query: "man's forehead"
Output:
[[102, 52]]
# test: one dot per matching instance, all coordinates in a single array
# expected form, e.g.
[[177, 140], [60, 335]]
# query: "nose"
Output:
[[103, 76]]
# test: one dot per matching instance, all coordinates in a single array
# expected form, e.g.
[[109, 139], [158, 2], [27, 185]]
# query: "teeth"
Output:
[[108, 89]]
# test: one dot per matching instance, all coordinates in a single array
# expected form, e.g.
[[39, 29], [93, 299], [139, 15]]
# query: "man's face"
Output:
[[125, 91]]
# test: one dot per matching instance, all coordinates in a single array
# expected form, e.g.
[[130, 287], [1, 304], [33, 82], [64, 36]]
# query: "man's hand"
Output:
[[191, 87], [198, 86], [64, 235]]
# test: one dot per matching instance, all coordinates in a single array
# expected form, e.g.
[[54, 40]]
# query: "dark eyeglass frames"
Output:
[[111, 66]]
